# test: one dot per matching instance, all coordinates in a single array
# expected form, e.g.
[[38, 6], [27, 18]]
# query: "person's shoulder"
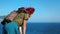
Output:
[[26, 14]]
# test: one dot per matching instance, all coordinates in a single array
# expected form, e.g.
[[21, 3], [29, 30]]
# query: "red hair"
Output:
[[30, 10]]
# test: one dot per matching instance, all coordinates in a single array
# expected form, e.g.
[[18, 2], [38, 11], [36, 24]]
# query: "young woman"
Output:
[[13, 25], [20, 20], [30, 11]]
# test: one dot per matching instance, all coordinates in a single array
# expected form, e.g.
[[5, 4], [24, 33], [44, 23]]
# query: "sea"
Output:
[[42, 28]]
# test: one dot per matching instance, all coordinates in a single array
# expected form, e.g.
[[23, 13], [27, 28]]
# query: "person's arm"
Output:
[[24, 26], [25, 22], [20, 29]]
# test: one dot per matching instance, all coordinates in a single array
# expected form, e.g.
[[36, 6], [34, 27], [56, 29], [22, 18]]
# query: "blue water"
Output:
[[42, 28]]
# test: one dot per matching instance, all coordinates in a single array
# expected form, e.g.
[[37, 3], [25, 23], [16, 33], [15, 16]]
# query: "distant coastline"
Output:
[[1, 18]]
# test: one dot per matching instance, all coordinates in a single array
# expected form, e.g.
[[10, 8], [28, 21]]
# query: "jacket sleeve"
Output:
[[26, 17]]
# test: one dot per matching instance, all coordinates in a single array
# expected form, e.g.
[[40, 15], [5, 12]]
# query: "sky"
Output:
[[45, 10]]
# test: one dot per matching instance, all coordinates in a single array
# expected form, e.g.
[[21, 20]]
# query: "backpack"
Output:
[[11, 16]]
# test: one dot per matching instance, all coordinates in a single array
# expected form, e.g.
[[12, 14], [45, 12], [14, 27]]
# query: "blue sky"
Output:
[[45, 10]]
